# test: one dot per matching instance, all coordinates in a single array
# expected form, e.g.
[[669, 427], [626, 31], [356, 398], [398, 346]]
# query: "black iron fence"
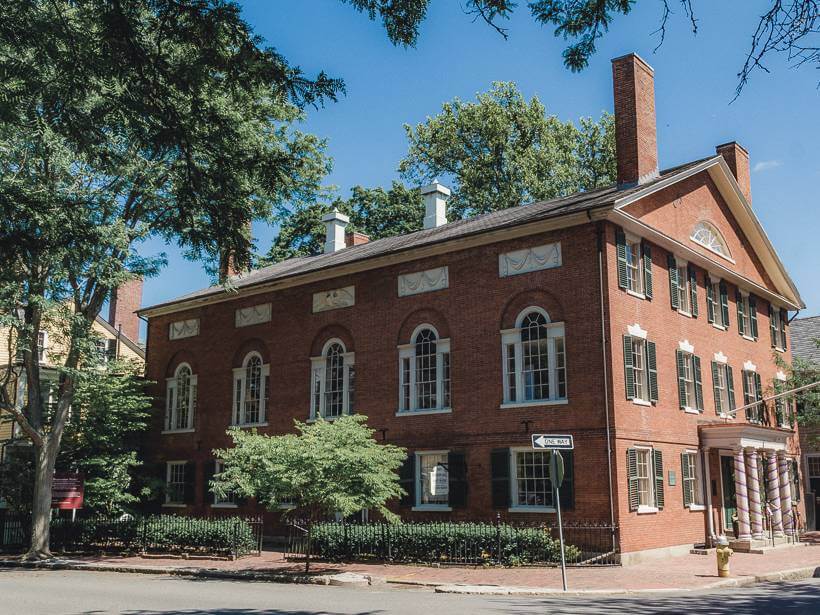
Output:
[[222, 536], [496, 543]]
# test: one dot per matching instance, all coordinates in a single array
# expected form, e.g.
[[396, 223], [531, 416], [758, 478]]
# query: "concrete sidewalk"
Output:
[[684, 573]]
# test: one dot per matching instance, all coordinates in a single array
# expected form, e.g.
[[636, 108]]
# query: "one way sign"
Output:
[[552, 442]]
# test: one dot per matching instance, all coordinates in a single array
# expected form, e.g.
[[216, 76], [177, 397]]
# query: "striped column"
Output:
[[785, 493], [755, 510], [773, 491], [741, 497]]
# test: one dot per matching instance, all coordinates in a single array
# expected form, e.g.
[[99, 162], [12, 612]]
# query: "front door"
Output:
[[727, 475]]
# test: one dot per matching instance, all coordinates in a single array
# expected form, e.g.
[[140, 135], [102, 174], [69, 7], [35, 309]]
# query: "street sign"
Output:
[[542, 441], [558, 476], [439, 481], [67, 491]]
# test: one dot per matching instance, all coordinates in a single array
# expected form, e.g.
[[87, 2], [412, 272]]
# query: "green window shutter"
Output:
[[758, 388], [500, 477], [407, 480], [189, 489], [741, 317], [687, 484], [715, 389], [747, 396], [657, 458], [673, 281], [567, 488], [652, 366], [710, 300], [772, 329], [784, 316], [632, 477], [730, 387], [698, 382], [724, 304], [629, 373], [647, 269], [753, 314], [620, 248], [693, 291], [680, 358], [457, 476]]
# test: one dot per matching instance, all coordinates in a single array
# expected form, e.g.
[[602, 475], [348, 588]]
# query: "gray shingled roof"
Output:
[[803, 333], [514, 216]]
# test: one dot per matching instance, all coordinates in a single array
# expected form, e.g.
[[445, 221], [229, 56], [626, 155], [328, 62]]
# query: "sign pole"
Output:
[[556, 492]]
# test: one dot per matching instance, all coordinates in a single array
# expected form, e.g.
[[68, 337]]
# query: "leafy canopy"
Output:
[[324, 468]]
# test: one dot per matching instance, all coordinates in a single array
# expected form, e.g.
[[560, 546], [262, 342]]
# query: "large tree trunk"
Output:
[[45, 458]]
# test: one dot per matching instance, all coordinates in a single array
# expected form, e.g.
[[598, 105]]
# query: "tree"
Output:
[[323, 469], [801, 373], [376, 212], [121, 120], [502, 151]]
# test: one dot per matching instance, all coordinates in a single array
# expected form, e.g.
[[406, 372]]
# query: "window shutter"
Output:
[[457, 475], [190, 482], [724, 304], [500, 477], [237, 397], [208, 475], [647, 270], [753, 314], [698, 382], [632, 477], [730, 387], [192, 392], [629, 373], [684, 479], [169, 404], [747, 395], [741, 325], [784, 316], [567, 489], [680, 358], [652, 366], [407, 480], [715, 388], [758, 389], [772, 328], [657, 458], [673, 281], [693, 291], [620, 248], [710, 300]]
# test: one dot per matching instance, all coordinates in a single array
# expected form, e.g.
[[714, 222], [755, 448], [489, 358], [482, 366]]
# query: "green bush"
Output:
[[437, 542]]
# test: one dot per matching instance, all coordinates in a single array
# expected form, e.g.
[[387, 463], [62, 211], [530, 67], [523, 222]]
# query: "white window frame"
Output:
[[747, 317], [407, 352], [228, 502], [511, 340], [634, 271], [710, 228], [640, 342], [748, 373], [169, 466], [514, 506], [723, 373], [684, 289], [650, 465], [431, 506], [689, 379], [318, 375], [240, 387], [717, 306], [42, 347], [777, 319], [171, 396], [697, 479]]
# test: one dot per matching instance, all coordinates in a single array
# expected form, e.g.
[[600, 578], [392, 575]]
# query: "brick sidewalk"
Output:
[[684, 572]]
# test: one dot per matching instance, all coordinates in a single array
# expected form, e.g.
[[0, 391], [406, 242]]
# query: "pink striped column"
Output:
[[741, 497], [773, 491], [754, 495], [785, 493]]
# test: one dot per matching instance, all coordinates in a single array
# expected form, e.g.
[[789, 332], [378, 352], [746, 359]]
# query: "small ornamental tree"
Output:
[[325, 468]]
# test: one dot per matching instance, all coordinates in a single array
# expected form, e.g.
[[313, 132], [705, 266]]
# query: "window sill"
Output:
[[250, 425], [749, 338], [641, 402], [313, 419], [689, 410], [422, 412], [719, 327], [696, 507], [684, 313], [432, 508], [531, 509], [224, 505], [634, 294], [170, 431], [723, 415], [172, 505], [779, 349], [532, 404], [647, 510]]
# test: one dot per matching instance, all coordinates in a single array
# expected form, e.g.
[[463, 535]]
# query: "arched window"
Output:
[[250, 391], [424, 376], [534, 359], [709, 237], [333, 382], [180, 399]]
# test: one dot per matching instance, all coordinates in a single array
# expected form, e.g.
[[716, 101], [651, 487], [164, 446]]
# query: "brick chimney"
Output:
[[227, 266], [122, 307], [636, 143], [737, 158], [355, 238]]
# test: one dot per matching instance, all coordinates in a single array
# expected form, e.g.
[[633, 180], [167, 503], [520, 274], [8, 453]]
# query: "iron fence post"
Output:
[[498, 537]]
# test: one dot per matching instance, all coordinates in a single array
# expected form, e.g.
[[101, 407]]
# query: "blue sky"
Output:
[[775, 118]]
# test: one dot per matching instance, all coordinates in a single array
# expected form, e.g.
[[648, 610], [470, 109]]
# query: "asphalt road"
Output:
[[28, 592]]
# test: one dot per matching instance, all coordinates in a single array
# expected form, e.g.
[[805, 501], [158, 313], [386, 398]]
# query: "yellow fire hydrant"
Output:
[[723, 553]]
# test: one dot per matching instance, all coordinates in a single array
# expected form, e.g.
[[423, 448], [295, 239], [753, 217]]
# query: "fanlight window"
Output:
[[708, 236], [333, 382], [180, 399], [250, 391]]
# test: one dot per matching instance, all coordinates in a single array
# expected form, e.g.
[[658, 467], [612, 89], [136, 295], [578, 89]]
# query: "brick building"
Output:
[[635, 317]]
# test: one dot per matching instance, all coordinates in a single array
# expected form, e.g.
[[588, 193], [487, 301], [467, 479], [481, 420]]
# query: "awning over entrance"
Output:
[[744, 436]]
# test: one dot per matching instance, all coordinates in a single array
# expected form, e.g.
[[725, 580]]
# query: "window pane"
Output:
[[560, 366], [426, 370], [445, 379], [644, 480], [426, 464], [639, 370], [253, 391], [334, 381], [683, 289], [405, 383], [534, 356], [510, 368], [633, 267], [183, 401], [532, 479], [175, 491]]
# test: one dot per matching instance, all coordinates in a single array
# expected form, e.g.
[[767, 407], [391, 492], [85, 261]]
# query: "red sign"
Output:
[[67, 491]]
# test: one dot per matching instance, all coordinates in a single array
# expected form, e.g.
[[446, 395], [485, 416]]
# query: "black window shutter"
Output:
[[741, 317], [784, 316], [724, 304], [500, 477], [772, 329], [673, 281], [730, 385], [629, 373], [407, 480], [632, 477], [680, 357], [208, 475], [652, 365], [715, 389], [620, 247], [687, 485], [698, 382], [457, 475], [190, 482], [647, 270], [657, 457], [753, 314], [710, 300], [567, 489], [693, 291]]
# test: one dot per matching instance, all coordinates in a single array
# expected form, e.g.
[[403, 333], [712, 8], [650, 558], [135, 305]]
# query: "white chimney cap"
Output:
[[334, 216], [435, 204], [436, 187], [335, 223]]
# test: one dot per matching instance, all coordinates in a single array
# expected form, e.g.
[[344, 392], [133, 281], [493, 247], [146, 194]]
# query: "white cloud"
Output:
[[766, 165]]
